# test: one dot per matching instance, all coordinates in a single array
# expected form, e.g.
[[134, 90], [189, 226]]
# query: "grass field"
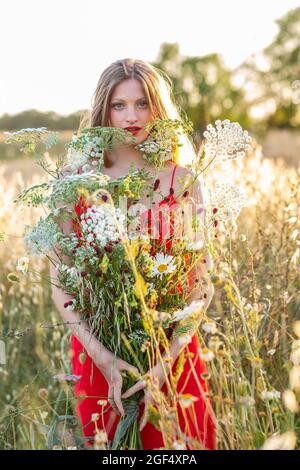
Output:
[[254, 368]]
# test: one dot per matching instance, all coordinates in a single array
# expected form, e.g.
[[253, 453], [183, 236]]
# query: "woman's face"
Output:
[[129, 107]]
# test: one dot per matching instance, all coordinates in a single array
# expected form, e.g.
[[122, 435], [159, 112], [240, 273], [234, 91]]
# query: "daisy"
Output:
[[23, 264], [163, 264]]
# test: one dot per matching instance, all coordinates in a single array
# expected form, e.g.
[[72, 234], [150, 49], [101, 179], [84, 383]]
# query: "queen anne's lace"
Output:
[[98, 224]]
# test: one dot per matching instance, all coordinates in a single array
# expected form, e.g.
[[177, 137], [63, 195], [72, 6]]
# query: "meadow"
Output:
[[252, 345]]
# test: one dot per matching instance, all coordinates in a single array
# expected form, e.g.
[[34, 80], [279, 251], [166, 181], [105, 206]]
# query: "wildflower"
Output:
[[193, 307], [225, 141], [95, 417], [290, 401], [229, 198], [23, 264], [210, 327], [98, 224], [286, 441], [163, 265], [242, 237], [184, 339], [102, 402], [206, 354], [270, 395], [187, 399], [43, 236]]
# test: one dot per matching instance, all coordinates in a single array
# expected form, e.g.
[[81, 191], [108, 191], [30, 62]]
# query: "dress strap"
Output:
[[172, 181]]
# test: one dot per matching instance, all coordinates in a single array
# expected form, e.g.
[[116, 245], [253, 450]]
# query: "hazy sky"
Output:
[[53, 52]]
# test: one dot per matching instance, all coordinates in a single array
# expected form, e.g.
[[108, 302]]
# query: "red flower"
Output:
[[156, 184]]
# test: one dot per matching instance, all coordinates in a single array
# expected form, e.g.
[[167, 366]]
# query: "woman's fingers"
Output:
[[135, 388], [130, 368], [117, 400]]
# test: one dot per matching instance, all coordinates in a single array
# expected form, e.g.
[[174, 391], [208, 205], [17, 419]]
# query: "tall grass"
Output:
[[250, 338]]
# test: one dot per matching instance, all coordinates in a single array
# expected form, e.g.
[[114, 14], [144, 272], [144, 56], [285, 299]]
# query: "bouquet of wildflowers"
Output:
[[131, 289]]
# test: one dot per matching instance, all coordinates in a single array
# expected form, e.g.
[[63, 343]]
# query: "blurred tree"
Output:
[[35, 118], [276, 73], [202, 87]]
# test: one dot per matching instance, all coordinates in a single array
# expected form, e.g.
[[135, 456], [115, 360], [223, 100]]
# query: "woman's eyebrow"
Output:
[[138, 99]]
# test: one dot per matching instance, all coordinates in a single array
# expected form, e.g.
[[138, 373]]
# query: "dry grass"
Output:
[[255, 306]]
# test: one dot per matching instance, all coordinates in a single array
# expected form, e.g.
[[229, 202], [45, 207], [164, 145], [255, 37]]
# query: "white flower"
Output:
[[210, 327], [206, 354], [228, 198], [226, 141], [163, 265], [187, 311], [184, 339], [187, 399], [270, 395], [23, 264]]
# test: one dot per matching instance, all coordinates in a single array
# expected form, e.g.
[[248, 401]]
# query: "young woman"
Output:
[[130, 93]]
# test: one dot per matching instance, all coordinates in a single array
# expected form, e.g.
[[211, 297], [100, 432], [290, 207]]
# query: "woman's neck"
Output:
[[123, 157]]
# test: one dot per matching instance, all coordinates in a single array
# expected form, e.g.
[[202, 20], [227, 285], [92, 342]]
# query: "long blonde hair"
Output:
[[157, 87]]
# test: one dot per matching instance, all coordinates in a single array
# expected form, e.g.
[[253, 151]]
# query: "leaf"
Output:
[[131, 409]]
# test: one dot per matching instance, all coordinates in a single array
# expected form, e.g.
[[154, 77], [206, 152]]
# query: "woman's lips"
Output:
[[133, 131]]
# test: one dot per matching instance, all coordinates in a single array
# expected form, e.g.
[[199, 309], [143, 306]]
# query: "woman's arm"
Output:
[[80, 328]]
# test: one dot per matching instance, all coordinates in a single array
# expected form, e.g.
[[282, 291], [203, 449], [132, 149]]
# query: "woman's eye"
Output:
[[143, 103]]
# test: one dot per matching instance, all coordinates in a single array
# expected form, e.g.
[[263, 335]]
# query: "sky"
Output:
[[54, 51]]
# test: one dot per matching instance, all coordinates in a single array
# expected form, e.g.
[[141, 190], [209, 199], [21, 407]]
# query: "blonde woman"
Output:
[[130, 93]]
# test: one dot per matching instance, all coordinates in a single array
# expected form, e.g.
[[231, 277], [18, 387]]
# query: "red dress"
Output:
[[195, 421]]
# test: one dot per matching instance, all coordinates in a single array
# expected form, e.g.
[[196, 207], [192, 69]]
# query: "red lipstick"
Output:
[[133, 129]]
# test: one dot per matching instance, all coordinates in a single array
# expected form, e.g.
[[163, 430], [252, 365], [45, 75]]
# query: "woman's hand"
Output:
[[111, 367], [154, 375]]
